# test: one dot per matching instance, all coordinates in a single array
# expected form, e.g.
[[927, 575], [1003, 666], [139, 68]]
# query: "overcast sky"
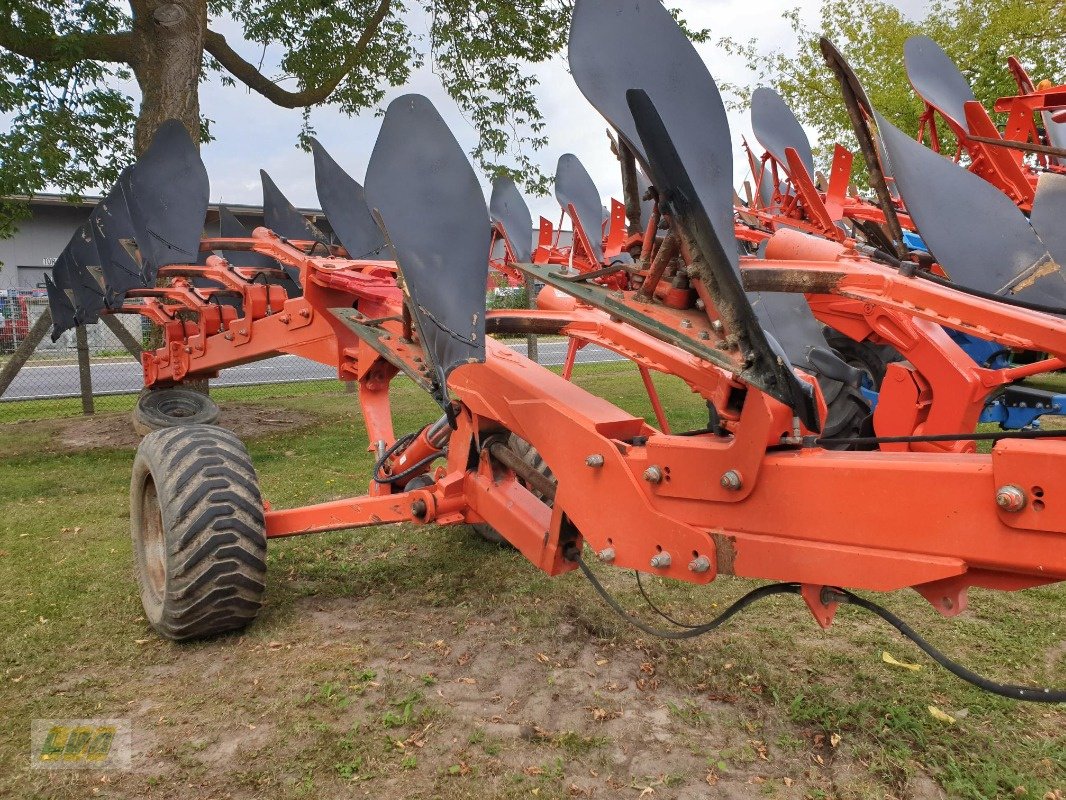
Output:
[[251, 133]]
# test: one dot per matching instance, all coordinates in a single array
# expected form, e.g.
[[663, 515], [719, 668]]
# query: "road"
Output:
[[43, 381]]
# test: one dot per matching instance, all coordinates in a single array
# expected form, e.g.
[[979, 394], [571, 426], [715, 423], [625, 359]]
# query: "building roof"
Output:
[[90, 201]]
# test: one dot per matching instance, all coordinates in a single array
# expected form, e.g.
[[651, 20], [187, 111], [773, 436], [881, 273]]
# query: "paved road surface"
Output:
[[111, 377]]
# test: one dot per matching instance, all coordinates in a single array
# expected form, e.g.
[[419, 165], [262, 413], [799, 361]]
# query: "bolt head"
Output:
[[704, 335], [595, 460], [1010, 497], [717, 325], [606, 555], [653, 474], [660, 560], [732, 481], [700, 564], [686, 323]]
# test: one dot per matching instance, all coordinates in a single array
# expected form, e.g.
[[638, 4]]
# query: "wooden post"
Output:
[[25, 350], [123, 335], [85, 376], [531, 339]]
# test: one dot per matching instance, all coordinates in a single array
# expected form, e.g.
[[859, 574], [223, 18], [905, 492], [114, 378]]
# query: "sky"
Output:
[[251, 133]]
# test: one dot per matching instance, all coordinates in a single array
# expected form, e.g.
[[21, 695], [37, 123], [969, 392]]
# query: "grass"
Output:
[[770, 694]]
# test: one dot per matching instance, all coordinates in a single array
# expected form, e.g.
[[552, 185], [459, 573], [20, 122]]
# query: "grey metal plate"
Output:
[[776, 127], [166, 194], [282, 217], [71, 273], [508, 208], [574, 186], [976, 233], [936, 79], [430, 202], [344, 204], [1049, 220], [667, 67]]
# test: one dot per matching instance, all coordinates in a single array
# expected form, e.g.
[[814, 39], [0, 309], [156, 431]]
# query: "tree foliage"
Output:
[[870, 34]]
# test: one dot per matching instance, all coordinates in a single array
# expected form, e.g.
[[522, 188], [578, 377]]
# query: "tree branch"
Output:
[[69, 47], [246, 73]]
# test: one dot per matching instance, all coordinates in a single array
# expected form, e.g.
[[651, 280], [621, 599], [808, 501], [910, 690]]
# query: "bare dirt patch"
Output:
[[115, 431]]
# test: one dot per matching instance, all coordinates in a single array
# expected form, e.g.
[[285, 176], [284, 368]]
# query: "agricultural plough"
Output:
[[731, 296]]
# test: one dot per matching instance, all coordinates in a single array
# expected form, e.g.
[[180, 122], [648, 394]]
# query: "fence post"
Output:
[[531, 339], [85, 376], [123, 335], [25, 350]]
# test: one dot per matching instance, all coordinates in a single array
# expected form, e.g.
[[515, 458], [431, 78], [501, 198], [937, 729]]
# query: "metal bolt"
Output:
[[660, 560], [686, 323], [304, 313], [717, 325], [700, 304], [243, 332], [653, 474], [700, 564], [1010, 498], [731, 480], [418, 508], [228, 337], [285, 319], [704, 335], [606, 555], [595, 460]]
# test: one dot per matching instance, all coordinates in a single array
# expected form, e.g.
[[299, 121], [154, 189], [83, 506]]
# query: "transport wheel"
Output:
[[166, 408], [199, 535], [531, 457]]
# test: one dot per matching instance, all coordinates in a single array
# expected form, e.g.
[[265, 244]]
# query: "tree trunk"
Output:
[[170, 47], [170, 51]]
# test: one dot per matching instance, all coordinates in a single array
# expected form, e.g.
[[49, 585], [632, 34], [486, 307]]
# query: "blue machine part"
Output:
[[1015, 414], [1017, 407]]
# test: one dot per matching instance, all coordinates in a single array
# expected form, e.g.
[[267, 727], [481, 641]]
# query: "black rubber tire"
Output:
[[199, 534], [531, 457], [157, 409], [870, 359]]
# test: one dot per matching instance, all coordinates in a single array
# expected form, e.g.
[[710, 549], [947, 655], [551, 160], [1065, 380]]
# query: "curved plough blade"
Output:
[[115, 236], [428, 198], [776, 128], [166, 193], [1049, 220], [684, 144], [974, 230], [282, 217], [937, 80], [344, 204], [74, 283], [766, 366], [229, 227], [675, 78], [574, 187], [508, 208]]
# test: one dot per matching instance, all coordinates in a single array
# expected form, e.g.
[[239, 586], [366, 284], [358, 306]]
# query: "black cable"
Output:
[[693, 631], [1012, 691], [1033, 694], [655, 608]]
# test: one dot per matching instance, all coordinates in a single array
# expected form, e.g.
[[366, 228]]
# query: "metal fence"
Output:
[[50, 382]]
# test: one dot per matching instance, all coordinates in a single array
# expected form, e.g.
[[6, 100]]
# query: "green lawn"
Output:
[[424, 662]]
